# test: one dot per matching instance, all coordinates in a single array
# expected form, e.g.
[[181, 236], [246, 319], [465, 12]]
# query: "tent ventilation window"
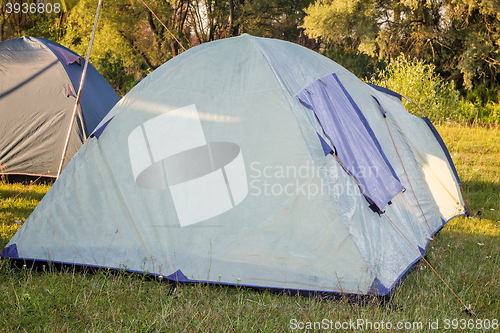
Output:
[[356, 146]]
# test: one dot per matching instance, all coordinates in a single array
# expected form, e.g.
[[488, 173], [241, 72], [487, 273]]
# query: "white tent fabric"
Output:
[[210, 169]]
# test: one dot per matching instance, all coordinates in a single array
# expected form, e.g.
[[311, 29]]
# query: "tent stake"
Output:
[[80, 88]]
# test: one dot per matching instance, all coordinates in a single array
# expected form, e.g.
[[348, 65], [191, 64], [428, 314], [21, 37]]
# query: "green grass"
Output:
[[17, 201], [69, 301]]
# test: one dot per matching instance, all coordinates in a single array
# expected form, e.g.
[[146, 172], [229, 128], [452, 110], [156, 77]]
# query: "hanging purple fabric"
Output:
[[357, 147]]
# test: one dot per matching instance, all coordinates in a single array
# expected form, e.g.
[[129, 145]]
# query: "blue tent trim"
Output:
[[326, 148], [178, 276], [348, 130], [422, 251], [385, 90], [10, 252], [380, 105], [378, 289], [97, 133]]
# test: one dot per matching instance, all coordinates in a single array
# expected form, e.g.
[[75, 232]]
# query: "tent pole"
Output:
[[78, 96]]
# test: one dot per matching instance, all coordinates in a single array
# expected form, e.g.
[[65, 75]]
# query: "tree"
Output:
[[130, 41], [127, 35], [342, 21], [461, 37], [33, 18], [279, 19], [476, 32]]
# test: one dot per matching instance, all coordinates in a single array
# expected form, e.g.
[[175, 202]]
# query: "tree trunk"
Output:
[[130, 41], [174, 48], [355, 44], [231, 19], [2, 24]]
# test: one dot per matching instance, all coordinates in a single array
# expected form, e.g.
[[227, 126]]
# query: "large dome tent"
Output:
[[39, 81], [255, 162]]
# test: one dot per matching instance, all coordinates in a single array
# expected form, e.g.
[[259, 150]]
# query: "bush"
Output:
[[114, 72], [491, 113], [485, 92], [438, 99]]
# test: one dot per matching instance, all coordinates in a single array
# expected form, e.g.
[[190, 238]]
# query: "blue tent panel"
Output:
[[97, 133], [10, 251], [98, 97], [358, 149]]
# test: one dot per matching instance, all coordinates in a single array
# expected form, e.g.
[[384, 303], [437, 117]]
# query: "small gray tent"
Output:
[[255, 162], [39, 80]]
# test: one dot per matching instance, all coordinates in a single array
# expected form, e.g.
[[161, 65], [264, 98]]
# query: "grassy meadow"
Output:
[[466, 253]]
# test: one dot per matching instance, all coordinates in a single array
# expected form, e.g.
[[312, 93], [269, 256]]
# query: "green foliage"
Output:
[[46, 27], [477, 28], [437, 98], [460, 37], [420, 83], [485, 92], [477, 112], [492, 113], [122, 52], [47, 21], [114, 72], [272, 18], [360, 64], [341, 21]]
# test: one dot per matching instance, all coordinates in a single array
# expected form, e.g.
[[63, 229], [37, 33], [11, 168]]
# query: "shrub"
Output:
[[418, 81], [491, 113], [114, 72], [360, 64], [438, 99]]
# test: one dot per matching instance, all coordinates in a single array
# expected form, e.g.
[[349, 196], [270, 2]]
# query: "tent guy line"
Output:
[[408, 178], [164, 25], [422, 257], [80, 89]]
